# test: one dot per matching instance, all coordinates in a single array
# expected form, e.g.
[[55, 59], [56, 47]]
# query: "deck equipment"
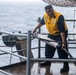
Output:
[[51, 42]]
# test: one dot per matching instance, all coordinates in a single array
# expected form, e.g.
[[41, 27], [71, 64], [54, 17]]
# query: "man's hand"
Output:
[[39, 25], [63, 46], [34, 30]]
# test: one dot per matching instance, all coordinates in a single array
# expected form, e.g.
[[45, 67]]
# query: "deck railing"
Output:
[[4, 73], [28, 58]]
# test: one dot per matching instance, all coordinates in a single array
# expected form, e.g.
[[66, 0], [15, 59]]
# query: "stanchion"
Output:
[[28, 64], [39, 42]]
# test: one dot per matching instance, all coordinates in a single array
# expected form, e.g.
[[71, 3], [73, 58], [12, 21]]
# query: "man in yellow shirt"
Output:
[[57, 30]]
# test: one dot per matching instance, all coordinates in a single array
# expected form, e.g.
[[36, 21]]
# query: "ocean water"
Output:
[[22, 17]]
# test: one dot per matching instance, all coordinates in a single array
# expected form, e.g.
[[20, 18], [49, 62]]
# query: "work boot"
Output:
[[65, 68], [46, 63]]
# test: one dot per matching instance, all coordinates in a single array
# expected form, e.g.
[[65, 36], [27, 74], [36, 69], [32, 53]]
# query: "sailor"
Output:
[[57, 30]]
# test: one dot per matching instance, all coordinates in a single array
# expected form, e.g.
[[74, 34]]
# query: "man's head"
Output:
[[49, 10]]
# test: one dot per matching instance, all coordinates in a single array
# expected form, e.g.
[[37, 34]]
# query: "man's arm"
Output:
[[39, 25], [62, 30]]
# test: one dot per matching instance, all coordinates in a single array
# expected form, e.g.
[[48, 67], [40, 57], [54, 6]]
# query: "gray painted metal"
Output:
[[46, 39], [28, 70], [4, 73], [62, 3]]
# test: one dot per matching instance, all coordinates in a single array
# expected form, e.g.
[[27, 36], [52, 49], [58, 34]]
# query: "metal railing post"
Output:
[[28, 64], [39, 45], [39, 42]]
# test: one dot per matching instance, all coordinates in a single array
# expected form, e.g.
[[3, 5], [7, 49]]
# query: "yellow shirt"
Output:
[[51, 23]]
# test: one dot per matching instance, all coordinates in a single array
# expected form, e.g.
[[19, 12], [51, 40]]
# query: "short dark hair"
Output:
[[48, 7]]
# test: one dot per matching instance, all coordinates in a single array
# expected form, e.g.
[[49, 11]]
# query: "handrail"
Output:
[[70, 20], [42, 59], [39, 59], [36, 59], [53, 60], [9, 33], [5, 72], [14, 54], [68, 33], [33, 59]]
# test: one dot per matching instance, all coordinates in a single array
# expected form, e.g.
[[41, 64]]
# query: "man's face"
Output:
[[50, 12]]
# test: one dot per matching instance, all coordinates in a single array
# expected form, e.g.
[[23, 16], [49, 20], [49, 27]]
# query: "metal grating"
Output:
[[63, 3]]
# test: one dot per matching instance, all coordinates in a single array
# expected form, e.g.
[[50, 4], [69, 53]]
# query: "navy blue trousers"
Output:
[[49, 50]]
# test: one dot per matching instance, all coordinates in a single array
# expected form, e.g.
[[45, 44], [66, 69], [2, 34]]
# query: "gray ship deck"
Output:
[[54, 69]]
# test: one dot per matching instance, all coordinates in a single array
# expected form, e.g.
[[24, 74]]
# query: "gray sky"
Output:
[[18, 0]]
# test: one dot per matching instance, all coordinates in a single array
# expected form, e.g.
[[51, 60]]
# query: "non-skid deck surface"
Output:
[[54, 69]]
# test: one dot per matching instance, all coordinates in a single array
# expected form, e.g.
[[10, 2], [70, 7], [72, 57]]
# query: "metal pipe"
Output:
[[14, 54], [44, 59], [68, 33], [39, 45], [53, 60], [69, 54], [39, 42], [11, 55], [28, 64], [46, 40], [71, 33], [49, 40], [9, 33], [5, 72], [31, 48], [70, 20]]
